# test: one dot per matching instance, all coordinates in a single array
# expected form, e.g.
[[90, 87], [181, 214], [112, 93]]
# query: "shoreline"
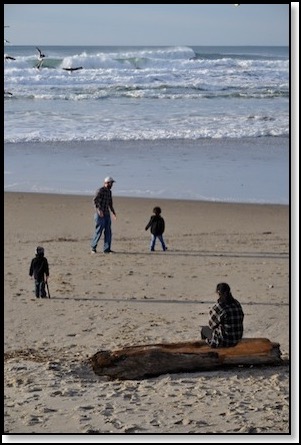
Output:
[[147, 198], [257, 169]]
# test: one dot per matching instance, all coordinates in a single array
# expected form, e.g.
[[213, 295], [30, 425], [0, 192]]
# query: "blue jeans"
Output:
[[40, 289], [102, 224], [153, 242]]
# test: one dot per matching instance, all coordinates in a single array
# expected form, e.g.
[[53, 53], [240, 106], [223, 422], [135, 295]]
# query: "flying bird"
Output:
[[40, 58], [7, 57], [73, 69], [41, 55]]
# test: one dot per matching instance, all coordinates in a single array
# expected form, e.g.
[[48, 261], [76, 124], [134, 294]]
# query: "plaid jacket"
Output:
[[103, 200], [226, 321]]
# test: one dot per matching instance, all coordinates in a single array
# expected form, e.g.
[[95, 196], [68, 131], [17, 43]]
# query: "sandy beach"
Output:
[[133, 297]]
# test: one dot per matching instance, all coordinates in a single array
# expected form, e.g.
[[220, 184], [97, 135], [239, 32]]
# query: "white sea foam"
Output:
[[146, 94], [194, 123]]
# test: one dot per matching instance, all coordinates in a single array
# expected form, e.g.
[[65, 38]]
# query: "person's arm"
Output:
[[31, 269], [149, 223], [214, 318], [98, 201], [112, 209]]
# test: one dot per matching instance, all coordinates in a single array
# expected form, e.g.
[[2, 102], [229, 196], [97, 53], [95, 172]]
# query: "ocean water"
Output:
[[204, 123]]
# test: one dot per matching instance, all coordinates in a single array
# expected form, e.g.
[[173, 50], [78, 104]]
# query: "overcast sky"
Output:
[[150, 24]]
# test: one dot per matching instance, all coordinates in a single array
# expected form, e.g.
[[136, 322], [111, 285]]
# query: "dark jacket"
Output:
[[156, 224], [39, 268]]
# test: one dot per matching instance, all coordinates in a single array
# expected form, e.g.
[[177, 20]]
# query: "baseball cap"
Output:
[[109, 179]]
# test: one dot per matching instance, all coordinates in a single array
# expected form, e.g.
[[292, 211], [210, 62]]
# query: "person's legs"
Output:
[[162, 242], [42, 290], [107, 234], [37, 288], [206, 332], [153, 242], [99, 225]]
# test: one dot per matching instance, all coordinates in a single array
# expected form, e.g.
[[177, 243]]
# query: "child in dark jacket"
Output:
[[157, 227], [39, 270]]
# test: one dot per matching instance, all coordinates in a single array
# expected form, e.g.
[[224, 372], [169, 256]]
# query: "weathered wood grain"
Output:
[[142, 361]]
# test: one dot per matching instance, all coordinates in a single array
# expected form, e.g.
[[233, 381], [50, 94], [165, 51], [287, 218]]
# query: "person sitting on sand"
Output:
[[225, 320]]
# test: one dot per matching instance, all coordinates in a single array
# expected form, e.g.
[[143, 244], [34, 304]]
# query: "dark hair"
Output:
[[40, 251], [224, 291], [157, 210]]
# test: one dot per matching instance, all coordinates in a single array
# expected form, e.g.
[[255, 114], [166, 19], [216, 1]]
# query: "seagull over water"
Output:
[[40, 58], [41, 55], [7, 57]]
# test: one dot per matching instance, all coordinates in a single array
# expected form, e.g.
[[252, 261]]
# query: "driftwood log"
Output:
[[138, 362]]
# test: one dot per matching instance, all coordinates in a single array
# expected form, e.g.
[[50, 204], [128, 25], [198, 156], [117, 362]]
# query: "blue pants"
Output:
[[153, 242], [40, 289], [102, 224]]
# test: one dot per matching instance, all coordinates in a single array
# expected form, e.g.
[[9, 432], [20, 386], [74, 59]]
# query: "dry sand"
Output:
[[133, 297]]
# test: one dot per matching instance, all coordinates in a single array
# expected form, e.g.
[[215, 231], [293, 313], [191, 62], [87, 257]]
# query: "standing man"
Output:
[[103, 203]]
